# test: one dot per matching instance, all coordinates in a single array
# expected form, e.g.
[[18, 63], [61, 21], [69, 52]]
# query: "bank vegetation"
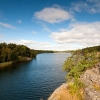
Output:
[[13, 53], [77, 64]]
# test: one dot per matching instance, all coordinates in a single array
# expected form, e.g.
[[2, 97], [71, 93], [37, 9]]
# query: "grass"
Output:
[[64, 94], [97, 87], [76, 88], [2, 65], [76, 65]]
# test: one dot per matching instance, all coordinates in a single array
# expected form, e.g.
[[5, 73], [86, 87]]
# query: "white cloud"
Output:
[[45, 45], [84, 34], [19, 21], [53, 15], [23, 42], [7, 25], [41, 46], [56, 47], [94, 6], [79, 6], [33, 44], [91, 6], [93, 0]]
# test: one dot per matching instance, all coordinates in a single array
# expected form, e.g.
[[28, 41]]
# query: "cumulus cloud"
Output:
[[7, 25], [23, 42], [79, 6], [19, 21], [86, 34], [45, 45], [56, 47], [53, 15], [33, 44], [91, 6], [42, 46], [93, 0], [48, 46]]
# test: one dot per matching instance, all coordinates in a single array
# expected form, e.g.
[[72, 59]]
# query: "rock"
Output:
[[91, 80]]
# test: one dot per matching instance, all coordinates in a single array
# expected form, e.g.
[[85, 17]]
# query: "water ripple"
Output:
[[34, 79]]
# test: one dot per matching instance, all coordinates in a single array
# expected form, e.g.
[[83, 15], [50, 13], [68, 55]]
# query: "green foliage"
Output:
[[75, 86], [68, 64], [80, 61], [13, 52]]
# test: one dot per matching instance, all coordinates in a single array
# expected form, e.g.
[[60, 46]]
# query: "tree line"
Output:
[[14, 52]]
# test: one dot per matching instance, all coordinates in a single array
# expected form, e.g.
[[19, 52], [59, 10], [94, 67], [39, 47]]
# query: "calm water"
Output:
[[34, 79]]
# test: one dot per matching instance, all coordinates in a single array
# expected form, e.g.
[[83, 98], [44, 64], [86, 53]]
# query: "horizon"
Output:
[[50, 24]]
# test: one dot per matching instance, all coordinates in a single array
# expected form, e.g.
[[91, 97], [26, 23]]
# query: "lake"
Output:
[[33, 80]]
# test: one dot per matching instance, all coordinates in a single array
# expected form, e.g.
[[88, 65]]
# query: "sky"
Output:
[[50, 24]]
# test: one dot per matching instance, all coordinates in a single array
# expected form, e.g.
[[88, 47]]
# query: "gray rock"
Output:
[[90, 78]]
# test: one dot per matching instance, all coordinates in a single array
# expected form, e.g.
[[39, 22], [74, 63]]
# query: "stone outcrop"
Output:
[[57, 94], [62, 93], [91, 80]]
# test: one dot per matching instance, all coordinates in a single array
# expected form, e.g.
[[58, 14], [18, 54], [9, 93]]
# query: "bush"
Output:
[[80, 61]]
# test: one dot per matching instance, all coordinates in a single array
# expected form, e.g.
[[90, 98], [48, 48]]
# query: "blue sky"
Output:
[[50, 24]]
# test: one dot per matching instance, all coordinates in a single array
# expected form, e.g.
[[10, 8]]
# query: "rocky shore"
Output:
[[91, 91], [91, 80]]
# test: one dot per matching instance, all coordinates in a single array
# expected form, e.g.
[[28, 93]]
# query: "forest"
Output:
[[16, 53]]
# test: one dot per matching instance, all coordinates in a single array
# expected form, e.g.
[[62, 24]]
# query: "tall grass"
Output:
[[5, 64]]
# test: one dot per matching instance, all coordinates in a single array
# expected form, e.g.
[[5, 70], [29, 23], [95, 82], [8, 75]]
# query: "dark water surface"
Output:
[[34, 79]]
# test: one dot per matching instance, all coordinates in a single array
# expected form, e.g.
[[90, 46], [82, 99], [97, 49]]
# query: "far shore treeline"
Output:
[[16, 53]]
